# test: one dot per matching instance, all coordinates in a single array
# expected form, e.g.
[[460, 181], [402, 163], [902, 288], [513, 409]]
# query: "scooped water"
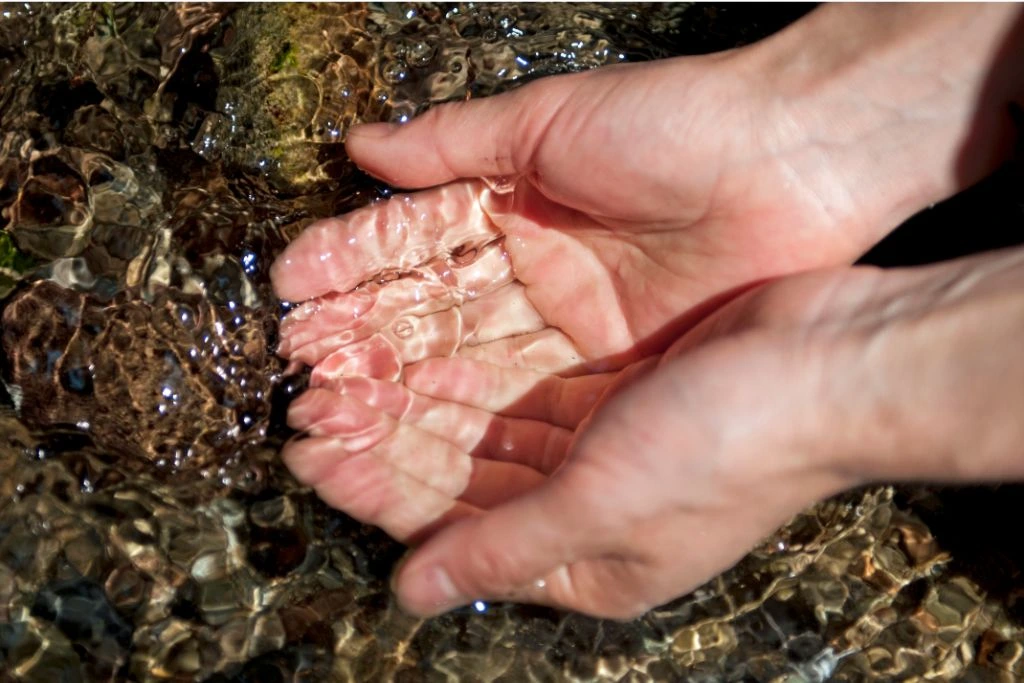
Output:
[[154, 160]]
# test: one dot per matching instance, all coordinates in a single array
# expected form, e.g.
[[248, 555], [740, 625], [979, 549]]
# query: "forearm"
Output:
[[906, 103], [931, 386]]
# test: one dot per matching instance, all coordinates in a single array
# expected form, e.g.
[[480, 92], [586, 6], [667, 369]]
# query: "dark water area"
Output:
[[154, 159]]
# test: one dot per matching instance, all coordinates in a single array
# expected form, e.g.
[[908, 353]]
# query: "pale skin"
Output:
[[600, 389]]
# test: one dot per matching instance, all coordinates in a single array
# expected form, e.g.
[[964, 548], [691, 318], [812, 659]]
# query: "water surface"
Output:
[[153, 161]]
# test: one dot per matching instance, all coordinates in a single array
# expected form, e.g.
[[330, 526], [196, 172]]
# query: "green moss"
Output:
[[286, 58], [11, 259], [6, 286]]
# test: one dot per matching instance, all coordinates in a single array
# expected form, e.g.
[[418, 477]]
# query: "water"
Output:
[[154, 160], [415, 282]]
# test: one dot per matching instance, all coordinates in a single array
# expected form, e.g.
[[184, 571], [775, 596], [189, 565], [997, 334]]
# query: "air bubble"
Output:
[[421, 53], [403, 329], [502, 184]]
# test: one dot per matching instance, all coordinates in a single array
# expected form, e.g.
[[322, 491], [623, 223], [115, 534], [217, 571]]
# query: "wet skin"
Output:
[[503, 411]]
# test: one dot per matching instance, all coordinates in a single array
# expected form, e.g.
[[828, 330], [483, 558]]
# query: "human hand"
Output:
[[550, 292], [481, 303], [795, 390], [683, 215], [361, 422], [721, 170]]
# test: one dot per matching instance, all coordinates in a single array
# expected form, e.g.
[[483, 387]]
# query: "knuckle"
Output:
[[488, 571]]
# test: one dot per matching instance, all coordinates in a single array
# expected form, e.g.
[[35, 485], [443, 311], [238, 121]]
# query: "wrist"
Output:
[[902, 105], [927, 381]]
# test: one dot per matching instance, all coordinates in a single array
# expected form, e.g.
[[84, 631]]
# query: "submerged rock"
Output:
[[154, 160], [178, 381]]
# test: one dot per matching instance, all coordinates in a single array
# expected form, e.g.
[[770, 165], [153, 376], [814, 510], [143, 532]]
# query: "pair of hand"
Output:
[[580, 384]]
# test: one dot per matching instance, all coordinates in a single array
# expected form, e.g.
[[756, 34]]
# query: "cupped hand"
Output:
[[691, 464], [484, 379], [459, 335], [679, 464], [793, 391], [611, 493], [638, 197], [606, 494]]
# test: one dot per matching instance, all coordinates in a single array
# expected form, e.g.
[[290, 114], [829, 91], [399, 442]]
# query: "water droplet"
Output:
[[420, 53], [502, 184]]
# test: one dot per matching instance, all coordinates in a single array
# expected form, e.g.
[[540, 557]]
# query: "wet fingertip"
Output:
[[285, 278], [427, 591], [397, 569], [294, 439], [300, 411], [292, 381], [293, 453]]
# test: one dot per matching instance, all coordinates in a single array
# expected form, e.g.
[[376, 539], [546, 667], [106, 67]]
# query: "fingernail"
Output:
[[298, 416], [296, 438], [373, 131], [431, 592]]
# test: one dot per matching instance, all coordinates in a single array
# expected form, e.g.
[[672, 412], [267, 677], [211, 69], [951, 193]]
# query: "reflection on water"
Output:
[[153, 161], [421, 257]]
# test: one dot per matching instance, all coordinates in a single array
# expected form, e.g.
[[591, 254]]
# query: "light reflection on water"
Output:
[[153, 161]]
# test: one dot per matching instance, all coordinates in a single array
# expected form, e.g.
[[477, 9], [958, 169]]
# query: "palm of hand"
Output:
[[460, 337], [498, 356], [612, 267]]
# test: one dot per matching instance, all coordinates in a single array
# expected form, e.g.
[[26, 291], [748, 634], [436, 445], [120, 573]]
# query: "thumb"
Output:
[[520, 551], [487, 137]]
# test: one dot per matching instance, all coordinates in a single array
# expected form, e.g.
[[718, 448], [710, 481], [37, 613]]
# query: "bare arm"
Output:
[[906, 103]]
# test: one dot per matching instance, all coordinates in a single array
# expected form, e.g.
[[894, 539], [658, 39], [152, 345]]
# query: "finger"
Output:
[[532, 443], [359, 429], [373, 357], [435, 462], [384, 354], [492, 136], [603, 587], [504, 553], [371, 490], [397, 235], [321, 326], [412, 338], [514, 393]]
